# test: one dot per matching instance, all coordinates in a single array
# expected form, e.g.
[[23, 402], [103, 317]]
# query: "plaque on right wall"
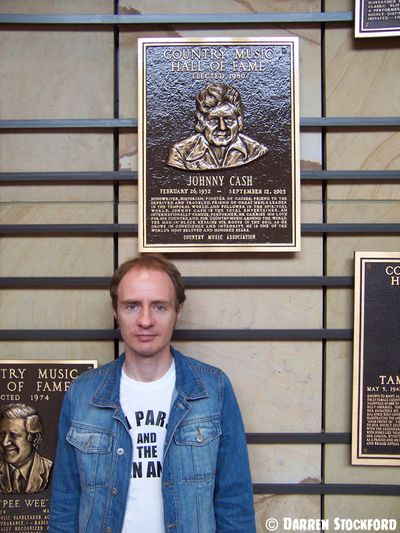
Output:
[[377, 18], [376, 361]]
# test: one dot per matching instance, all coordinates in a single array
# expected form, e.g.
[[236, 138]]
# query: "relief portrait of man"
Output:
[[22, 469], [219, 141]]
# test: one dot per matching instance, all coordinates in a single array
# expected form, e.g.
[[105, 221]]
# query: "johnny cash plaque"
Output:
[[218, 145], [377, 18], [376, 368], [31, 393]]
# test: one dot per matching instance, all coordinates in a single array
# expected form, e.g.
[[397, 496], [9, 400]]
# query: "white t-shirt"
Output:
[[146, 406]]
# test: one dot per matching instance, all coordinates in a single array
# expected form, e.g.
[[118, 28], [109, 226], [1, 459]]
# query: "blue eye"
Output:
[[160, 307]]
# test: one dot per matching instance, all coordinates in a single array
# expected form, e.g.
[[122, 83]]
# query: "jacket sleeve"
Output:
[[233, 496], [65, 489]]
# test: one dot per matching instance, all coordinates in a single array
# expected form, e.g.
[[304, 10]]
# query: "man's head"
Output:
[[148, 262], [147, 295], [219, 114], [21, 431]]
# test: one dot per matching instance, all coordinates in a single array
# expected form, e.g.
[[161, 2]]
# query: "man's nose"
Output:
[[145, 317], [222, 125], [5, 439]]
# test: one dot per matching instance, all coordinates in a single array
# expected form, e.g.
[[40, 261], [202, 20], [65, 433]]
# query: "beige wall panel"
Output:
[[56, 152], [128, 213], [366, 150], [361, 75], [102, 352], [55, 309], [356, 507], [309, 71], [128, 149], [339, 5], [127, 248], [57, 6], [373, 212], [364, 190], [278, 384], [341, 250], [48, 74], [363, 150], [136, 7], [339, 470], [30, 192], [278, 507], [285, 463], [339, 305], [56, 213], [252, 308], [56, 256], [339, 383]]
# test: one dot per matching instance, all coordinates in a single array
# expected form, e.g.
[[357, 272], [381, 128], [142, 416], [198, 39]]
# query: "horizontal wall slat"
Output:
[[16, 178], [305, 122], [298, 438], [176, 18], [132, 229], [190, 282], [180, 334], [48, 124], [326, 488]]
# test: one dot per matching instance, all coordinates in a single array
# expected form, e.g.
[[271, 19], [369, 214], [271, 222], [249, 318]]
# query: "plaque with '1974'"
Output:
[[218, 145]]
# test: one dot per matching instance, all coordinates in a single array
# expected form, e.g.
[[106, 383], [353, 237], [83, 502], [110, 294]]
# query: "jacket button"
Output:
[[120, 451], [114, 491], [108, 530], [200, 437]]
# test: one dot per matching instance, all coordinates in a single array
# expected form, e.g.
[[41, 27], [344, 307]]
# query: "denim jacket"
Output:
[[206, 485]]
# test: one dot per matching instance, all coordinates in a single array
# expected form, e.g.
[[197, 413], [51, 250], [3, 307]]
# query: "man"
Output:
[[23, 470], [218, 142], [152, 442]]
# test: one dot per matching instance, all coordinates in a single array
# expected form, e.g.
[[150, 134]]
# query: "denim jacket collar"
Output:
[[188, 383]]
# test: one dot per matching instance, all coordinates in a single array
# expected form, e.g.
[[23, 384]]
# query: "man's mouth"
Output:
[[145, 338]]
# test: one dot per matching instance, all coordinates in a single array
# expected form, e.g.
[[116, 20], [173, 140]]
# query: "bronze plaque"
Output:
[[218, 145], [377, 18], [31, 392], [376, 369]]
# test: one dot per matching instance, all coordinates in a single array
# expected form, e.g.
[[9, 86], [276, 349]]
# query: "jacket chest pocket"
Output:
[[93, 452], [197, 446]]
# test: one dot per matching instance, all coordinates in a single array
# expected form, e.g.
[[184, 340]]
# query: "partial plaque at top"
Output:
[[218, 145], [377, 18]]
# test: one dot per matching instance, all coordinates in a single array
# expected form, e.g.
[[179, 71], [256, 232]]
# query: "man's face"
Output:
[[14, 443], [146, 313], [222, 125]]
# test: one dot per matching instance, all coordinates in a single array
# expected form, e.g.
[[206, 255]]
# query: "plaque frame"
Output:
[[277, 241], [40, 385], [361, 449], [362, 31]]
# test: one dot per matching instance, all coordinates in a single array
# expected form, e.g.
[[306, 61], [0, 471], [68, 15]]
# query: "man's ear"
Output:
[[179, 311]]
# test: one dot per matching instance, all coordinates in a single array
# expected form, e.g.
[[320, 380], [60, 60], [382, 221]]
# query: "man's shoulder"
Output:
[[252, 146], [200, 366]]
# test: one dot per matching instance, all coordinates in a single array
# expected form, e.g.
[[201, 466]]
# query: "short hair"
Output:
[[213, 95], [149, 262], [33, 422]]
